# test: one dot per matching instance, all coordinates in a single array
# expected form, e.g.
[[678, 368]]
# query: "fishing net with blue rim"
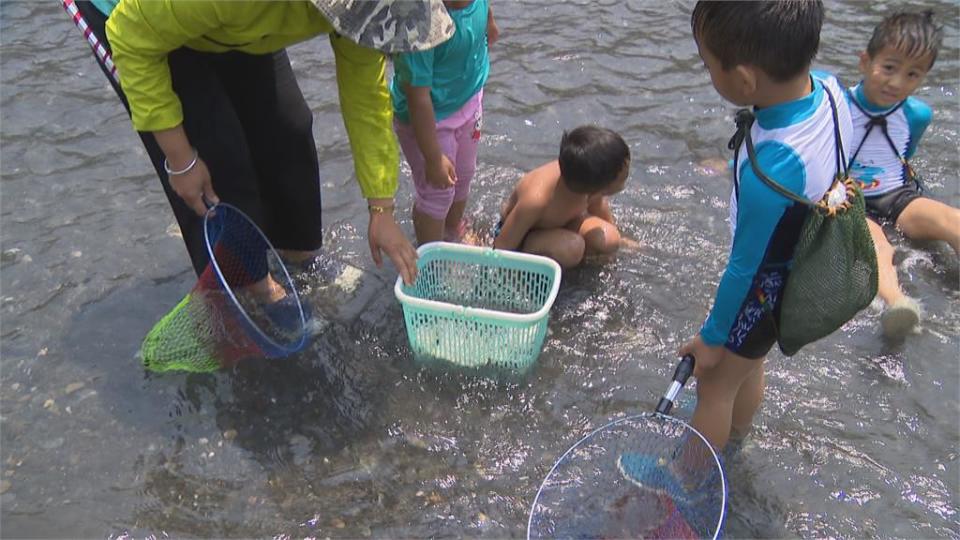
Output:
[[243, 305]]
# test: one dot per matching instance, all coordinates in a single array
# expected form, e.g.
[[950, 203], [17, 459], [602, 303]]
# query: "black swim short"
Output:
[[888, 206], [497, 228], [755, 330]]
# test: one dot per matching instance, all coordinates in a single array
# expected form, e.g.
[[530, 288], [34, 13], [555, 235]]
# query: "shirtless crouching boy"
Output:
[[561, 209]]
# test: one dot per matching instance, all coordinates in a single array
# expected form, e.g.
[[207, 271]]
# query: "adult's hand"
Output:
[[195, 185], [384, 234]]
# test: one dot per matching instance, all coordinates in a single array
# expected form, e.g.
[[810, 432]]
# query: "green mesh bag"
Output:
[[834, 273], [834, 270]]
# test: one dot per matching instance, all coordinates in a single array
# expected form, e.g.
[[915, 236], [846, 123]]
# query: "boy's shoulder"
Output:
[[538, 184], [827, 78], [548, 173], [917, 110]]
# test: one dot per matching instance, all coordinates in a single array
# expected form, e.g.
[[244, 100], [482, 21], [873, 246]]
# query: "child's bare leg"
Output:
[[427, 228], [451, 225], [268, 290], [889, 286], [717, 391], [562, 245], [927, 219], [747, 402], [600, 236]]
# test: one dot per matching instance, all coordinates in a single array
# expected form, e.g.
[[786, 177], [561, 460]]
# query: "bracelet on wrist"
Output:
[[185, 170], [380, 208]]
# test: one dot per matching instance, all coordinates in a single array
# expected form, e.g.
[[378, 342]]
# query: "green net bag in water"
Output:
[[834, 271]]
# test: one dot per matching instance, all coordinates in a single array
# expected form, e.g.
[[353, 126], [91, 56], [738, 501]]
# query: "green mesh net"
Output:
[[183, 340], [834, 273], [203, 333], [243, 305]]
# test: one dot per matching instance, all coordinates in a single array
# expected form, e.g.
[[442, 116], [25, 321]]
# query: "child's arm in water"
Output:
[[519, 218], [599, 206], [439, 170]]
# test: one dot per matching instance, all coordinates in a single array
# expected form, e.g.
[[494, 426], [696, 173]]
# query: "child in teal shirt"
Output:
[[437, 102]]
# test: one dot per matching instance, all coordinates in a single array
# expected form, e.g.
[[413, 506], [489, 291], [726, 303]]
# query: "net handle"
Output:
[[680, 376], [102, 53]]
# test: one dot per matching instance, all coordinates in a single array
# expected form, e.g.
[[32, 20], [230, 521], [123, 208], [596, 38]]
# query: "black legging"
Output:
[[246, 116]]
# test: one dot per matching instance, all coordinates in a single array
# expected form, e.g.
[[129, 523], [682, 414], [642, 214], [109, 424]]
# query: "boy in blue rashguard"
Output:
[[887, 125], [759, 54]]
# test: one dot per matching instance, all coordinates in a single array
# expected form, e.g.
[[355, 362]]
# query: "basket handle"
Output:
[[680, 376]]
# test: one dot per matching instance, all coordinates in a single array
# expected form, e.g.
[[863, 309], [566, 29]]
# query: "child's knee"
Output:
[[951, 222], [610, 241], [600, 237], [569, 252]]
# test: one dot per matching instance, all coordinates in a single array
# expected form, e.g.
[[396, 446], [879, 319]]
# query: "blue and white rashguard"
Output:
[[877, 162], [796, 147]]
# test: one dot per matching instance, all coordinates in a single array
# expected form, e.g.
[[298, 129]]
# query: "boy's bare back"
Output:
[[536, 204], [560, 209]]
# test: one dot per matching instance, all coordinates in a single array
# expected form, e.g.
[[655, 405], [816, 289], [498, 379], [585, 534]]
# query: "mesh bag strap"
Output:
[[881, 121], [744, 120], [876, 120]]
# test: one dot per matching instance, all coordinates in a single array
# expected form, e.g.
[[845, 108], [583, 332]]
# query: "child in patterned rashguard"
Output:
[[887, 126], [758, 54]]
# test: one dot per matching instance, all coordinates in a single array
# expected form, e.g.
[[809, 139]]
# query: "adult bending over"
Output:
[[210, 90]]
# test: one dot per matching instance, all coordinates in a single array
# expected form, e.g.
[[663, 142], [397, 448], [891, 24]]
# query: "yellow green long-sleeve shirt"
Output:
[[143, 32]]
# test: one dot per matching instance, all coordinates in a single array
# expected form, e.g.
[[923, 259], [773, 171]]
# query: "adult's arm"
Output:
[[368, 116], [142, 34]]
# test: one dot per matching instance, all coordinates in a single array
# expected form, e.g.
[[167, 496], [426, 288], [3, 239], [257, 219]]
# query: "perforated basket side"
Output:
[[506, 284], [473, 342], [476, 307]]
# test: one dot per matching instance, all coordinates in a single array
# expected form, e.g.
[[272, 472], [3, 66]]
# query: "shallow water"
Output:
[[857, 437]]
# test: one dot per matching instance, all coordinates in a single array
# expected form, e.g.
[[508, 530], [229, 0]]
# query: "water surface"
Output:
[[857, 437]]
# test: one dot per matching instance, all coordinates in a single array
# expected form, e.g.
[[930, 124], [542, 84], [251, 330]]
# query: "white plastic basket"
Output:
[[475, 307]]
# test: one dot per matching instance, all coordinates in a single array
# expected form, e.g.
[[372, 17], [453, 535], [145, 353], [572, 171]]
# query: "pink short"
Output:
[[459, 138]]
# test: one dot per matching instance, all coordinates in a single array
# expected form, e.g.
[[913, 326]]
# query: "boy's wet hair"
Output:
[[913, 34], [781, 38], [591, 158]]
